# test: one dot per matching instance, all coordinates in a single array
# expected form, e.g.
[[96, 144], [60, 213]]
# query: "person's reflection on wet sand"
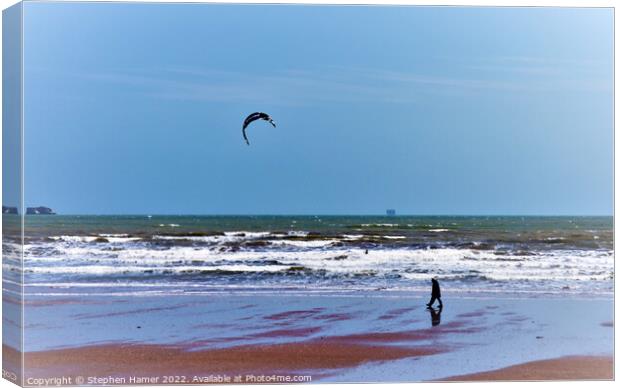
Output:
[[435, 315]]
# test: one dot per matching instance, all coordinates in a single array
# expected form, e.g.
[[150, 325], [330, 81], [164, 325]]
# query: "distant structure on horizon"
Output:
[[390, 212], [39, 210], [9, 209]]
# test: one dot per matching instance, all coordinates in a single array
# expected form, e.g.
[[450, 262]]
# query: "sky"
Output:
[[137, 109]]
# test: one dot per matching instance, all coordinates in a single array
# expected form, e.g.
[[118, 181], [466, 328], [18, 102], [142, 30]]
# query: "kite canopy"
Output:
[[253, 117]]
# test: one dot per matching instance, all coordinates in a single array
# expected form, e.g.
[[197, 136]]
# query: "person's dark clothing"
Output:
[[435, 294], [433, 299]]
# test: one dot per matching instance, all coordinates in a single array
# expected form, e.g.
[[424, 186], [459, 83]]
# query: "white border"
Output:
[[485, 3]]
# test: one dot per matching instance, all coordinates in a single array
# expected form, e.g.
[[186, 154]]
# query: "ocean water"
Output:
[[150, 255]]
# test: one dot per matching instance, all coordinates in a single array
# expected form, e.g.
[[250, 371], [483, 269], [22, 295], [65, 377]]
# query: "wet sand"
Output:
[[565, 368], [125, 361], [330, 338], [155, 360]]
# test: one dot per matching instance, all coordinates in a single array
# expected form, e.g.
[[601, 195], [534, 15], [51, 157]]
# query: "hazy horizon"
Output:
[[319, 215]]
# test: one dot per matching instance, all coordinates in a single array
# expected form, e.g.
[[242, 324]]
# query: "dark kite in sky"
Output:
[[253, 117]]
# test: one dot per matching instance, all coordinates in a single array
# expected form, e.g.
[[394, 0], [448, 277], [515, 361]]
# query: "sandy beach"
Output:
[[565, 368], [327, 338], [145, 364]]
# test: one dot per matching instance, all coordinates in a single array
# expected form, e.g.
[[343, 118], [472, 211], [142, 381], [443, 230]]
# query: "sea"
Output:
[[321, 254]]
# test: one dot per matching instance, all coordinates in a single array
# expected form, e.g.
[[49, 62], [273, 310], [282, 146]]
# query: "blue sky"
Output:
[[137, 108]]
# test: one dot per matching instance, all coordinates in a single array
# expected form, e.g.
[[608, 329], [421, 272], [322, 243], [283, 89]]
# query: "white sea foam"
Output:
[[303, 244], [299, 233], [237, 236], [410, 263], [352, 236], [108, 270], [113, 238], [74, 238], [316, 261]]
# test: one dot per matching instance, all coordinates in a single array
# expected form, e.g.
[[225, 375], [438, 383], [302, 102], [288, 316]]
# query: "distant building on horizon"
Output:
[[9, 210], [40, 210], [390, 212]]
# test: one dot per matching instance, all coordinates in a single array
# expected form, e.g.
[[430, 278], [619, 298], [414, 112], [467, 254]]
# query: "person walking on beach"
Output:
[[435, 293]]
